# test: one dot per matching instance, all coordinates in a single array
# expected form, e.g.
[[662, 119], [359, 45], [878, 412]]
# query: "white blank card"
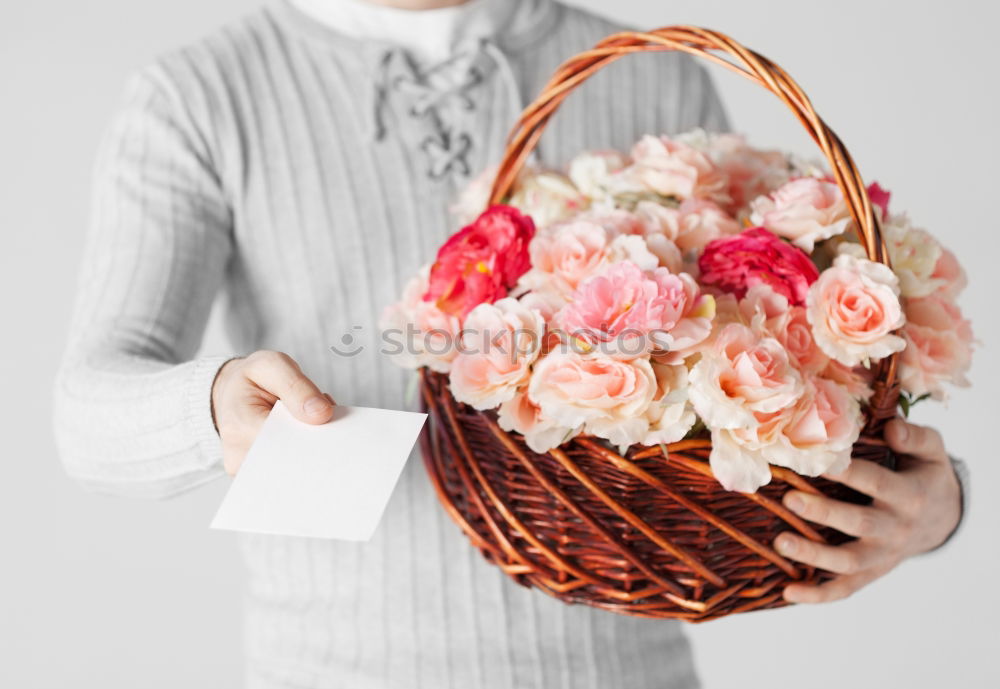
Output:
[[328, 481]]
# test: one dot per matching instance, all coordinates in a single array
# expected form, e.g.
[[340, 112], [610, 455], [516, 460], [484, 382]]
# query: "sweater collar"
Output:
[[430, 36], [355, 25]]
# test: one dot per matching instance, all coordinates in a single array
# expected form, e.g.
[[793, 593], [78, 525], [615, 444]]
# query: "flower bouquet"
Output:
[[629, 363]]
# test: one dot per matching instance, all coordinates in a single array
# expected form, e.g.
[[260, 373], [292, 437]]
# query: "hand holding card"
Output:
[[328, 481]]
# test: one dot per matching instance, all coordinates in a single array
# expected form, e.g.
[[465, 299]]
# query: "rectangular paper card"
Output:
[[328, 481]]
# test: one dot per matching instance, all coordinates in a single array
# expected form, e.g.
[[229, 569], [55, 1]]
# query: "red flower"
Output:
[[755, 256], [480, 262], [880, 198]]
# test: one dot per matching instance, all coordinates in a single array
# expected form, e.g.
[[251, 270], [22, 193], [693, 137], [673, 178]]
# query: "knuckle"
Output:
[[298, 385], [881, 483], [806, 550], [268, 357], [260, 355], [866, 525], [903, 531], [849, 563]]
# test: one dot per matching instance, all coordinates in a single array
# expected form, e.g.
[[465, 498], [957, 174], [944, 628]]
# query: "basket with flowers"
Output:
[[627, 365]]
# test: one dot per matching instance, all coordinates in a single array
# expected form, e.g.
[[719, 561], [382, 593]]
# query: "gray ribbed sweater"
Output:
[[279, 163]]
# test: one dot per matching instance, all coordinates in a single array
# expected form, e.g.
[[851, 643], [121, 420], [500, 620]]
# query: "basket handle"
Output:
[[702, 42]]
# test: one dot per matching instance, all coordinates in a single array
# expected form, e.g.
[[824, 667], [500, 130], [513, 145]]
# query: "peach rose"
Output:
[[769, 312], [615, 221], [813, 435], [670, 414], [566, 255], [436, 330], [750, 172], [820, 430], [742, 373], [545, 300], [938, 346], [520, 415], [690, 226], [764, 309], [674, 169], [804, 211], [739, 455], [854, 308], [858, 379], [608, 397], [499, 343]]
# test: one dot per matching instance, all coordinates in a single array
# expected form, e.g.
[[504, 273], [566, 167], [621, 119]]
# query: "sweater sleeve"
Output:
[[132, 404], [962, 474]]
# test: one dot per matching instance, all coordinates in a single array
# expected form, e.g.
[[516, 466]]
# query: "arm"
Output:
[[136, 414], [133, 408]]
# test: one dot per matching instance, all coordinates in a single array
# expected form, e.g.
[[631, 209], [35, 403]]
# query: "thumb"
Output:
[[279, 375]]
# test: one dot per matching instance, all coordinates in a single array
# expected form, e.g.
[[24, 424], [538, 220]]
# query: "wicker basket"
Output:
[[651, 533]]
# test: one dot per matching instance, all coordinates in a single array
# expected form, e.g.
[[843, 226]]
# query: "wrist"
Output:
[[218, 384]]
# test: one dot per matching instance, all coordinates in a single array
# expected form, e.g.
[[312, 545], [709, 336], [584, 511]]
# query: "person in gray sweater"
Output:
[[301, 164]]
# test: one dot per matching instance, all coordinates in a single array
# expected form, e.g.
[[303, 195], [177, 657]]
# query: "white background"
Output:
[[100, 592]]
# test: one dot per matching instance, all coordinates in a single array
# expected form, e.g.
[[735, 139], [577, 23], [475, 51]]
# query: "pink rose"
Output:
[[625, 306], [499, 343], [742, 373], [756, 256], [481, 262], [938, 346], [608, 397], [674, 169], [853, 309], [437, 331], [521, 415], [804, 211]]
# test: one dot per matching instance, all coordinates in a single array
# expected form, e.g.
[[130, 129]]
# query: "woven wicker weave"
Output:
[[651, 533]]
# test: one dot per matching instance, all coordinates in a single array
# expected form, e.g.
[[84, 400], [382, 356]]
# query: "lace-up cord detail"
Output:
[[446, 147]]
